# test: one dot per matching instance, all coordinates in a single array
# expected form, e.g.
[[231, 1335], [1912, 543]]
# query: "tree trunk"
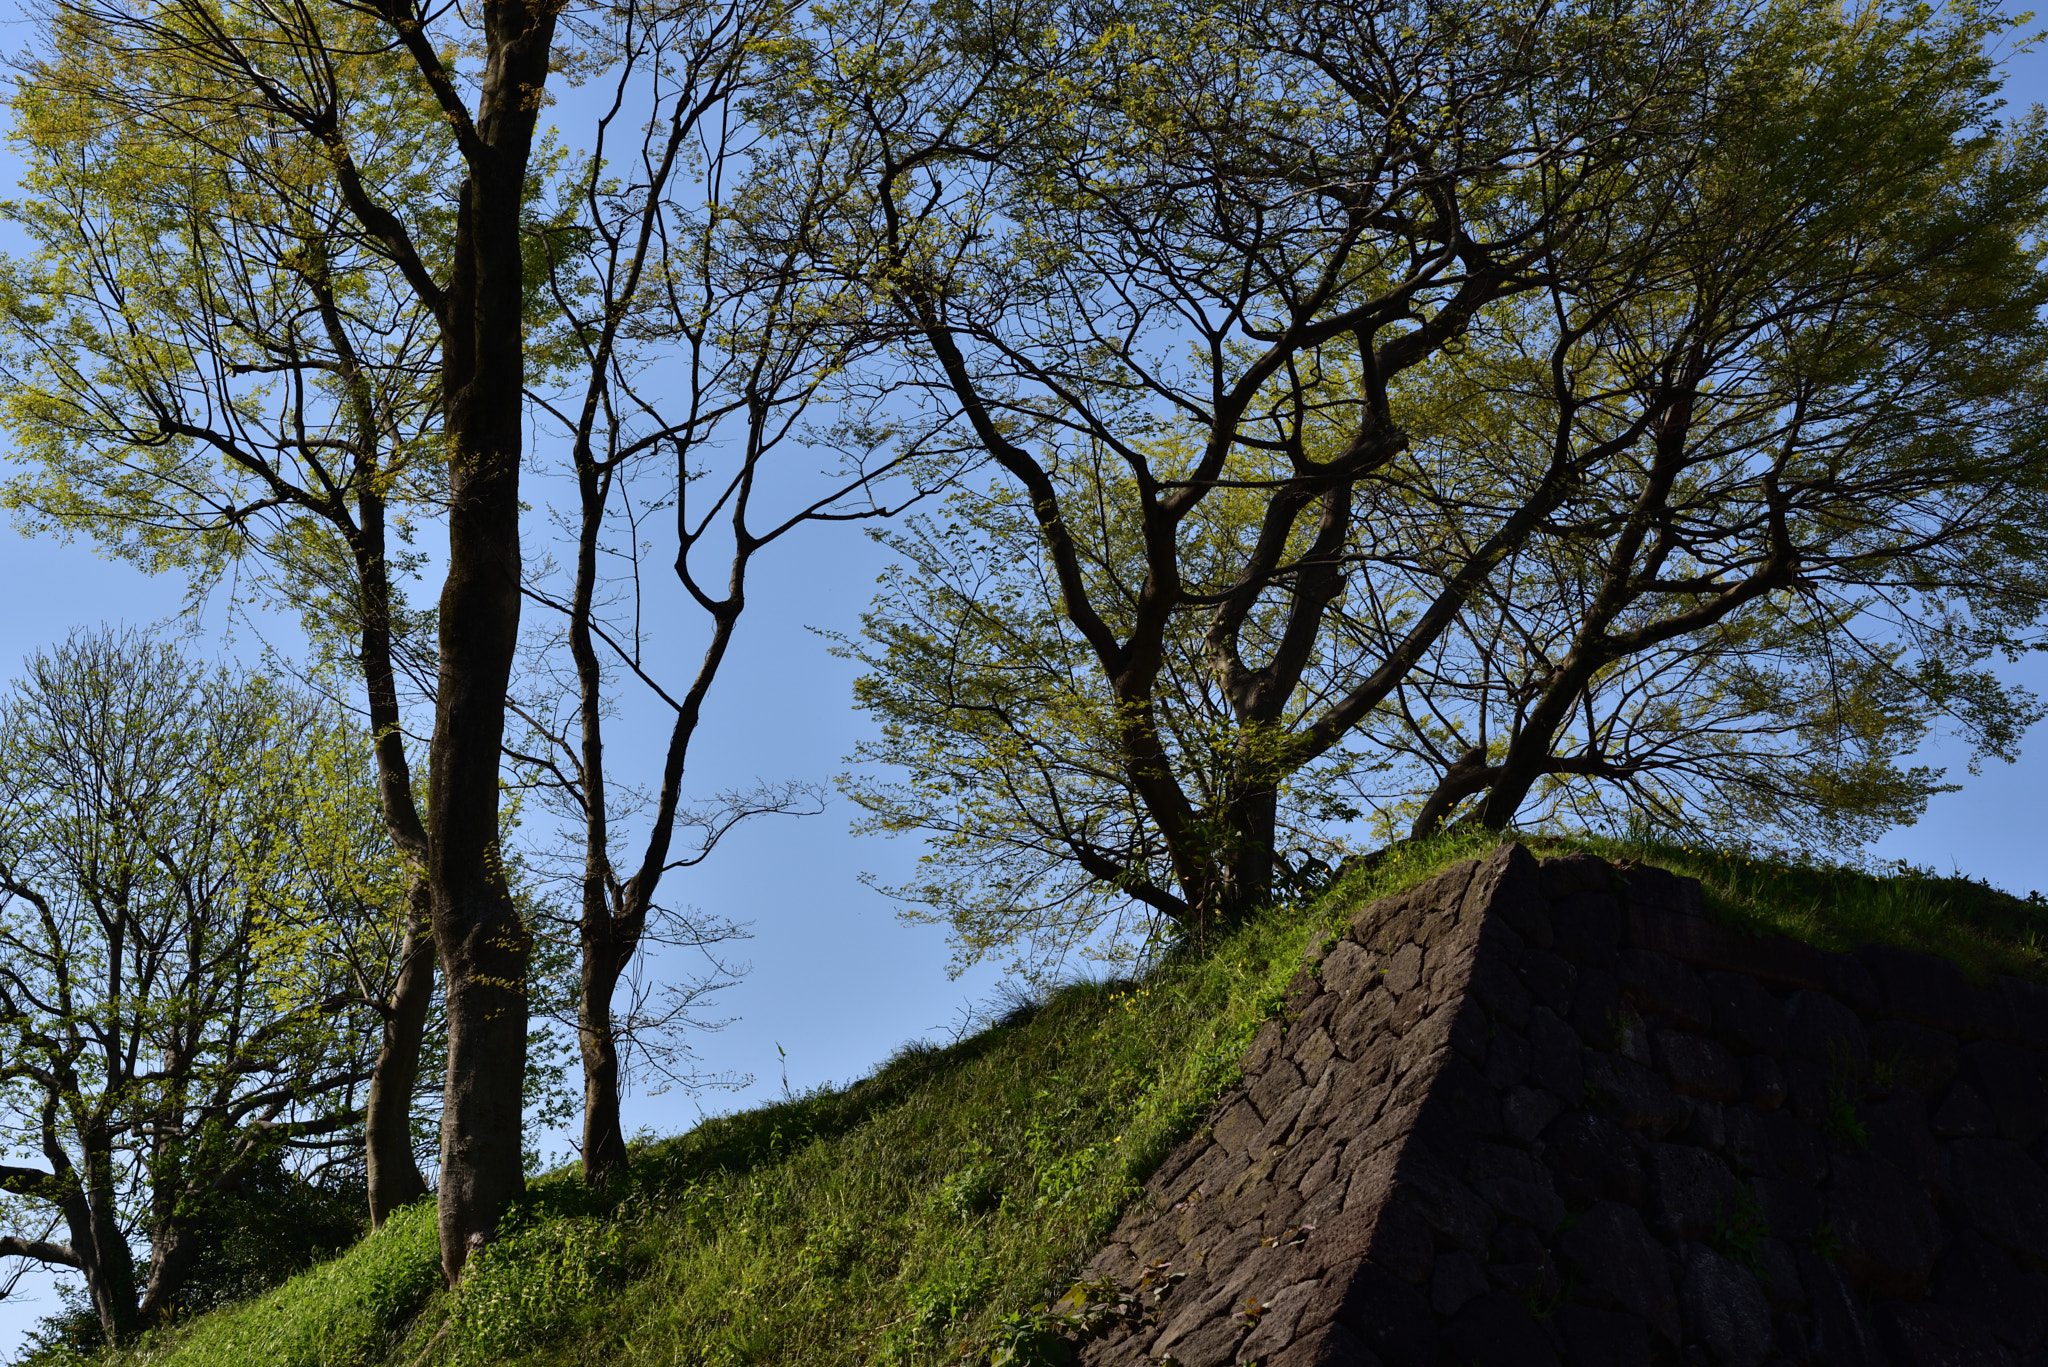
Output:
[[484, 944], [604, 1142], [103, 1252], [393, 1172], [172, 1252], [1464, 778]]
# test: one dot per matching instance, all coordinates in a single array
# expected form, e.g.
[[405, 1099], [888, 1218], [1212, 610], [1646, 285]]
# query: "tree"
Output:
[[1814, 469], [701, 343], [650, 269], [1148, 241], [210, 368], [327, 79], [1836, 510], [192, 929]]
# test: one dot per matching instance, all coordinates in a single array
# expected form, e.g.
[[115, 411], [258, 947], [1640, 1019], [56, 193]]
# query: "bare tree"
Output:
[[704, 340]]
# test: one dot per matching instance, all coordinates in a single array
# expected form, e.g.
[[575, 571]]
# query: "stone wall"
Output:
[[1540, 1113]]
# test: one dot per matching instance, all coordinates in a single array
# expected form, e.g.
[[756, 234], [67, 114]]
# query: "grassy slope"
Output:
[[892, 1220]]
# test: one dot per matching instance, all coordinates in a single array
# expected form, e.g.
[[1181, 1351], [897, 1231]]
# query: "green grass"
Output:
[[1984, 930], [896, 1219]]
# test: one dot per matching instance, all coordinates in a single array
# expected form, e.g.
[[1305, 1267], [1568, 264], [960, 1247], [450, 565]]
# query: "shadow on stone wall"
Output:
[[1536, 1113]]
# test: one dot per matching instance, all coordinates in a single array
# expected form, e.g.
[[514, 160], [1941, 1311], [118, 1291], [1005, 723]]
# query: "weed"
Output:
[[1739, 1232], [1826, 1243], [1841, 1121]]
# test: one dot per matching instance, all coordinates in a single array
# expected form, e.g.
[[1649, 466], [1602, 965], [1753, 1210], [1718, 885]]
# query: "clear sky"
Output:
[[836, 980]]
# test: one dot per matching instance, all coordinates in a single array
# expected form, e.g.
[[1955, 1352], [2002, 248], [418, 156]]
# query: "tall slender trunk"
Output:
[[604, 1141], [485, 945], [393, 1173]]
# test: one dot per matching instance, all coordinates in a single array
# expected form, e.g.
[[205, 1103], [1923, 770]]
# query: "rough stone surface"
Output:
[[1548, 1112]]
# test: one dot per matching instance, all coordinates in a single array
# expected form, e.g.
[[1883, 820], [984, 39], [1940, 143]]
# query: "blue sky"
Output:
[[837, 981]]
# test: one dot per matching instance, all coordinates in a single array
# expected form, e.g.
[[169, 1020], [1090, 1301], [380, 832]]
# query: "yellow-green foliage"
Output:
[[894, 1220]]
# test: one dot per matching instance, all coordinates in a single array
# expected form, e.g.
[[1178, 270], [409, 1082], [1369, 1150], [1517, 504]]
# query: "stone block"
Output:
[[1749, 1146], [1456, 1213], [1697, 1066], [1388, 1316], [1279, 1084], [1562, 875], [1265, 1046], [1637, 1097], [1897, 1127], [1533, 1203], [1790, 1210], [1549, 978], [1361, 1023], [2004, 1193], [1596, 1008], [1304, 988], [1554, 1055], [1275, 1329], [1237, 1127], [1348, 968], [1311, 1018], [1602, 1338], [1723, 1306], [1458, 1278], [1325, 1345], [1708, 1126], [1842, 1334], [1810, 1090], [1822, 1030], [1885, 1224], [1404, 969], [1691, 1191], [1497, 1330], [1778, 1274], [1932, 1335], [1660, 986], [1460, 1107], [1591, 1159], [1586, 929], [2009, 1079], [1304, 1153], [1928, 990], [1962, 1114], [1619, 1264], [1501, 991], [1979, 1281], [1921, 1057], [1510, 885], [1207, 1342], [1525, 1111], [1746, 1014], [2026, 1011], [1763, 1082], [1507, 1060], [1661, 889]]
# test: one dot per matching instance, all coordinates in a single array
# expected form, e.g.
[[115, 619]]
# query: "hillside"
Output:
[[901, 1219]]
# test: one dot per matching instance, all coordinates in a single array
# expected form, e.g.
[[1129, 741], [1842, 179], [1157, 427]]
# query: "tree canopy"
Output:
[[1673, 453]]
